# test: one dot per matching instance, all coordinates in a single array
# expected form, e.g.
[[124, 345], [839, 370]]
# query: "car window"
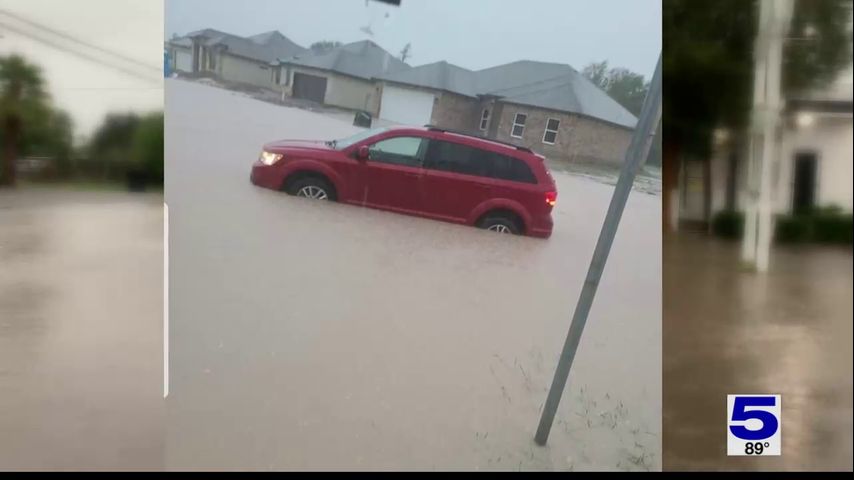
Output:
[[398, 151], [457, 158], [510, 168], [343, 143]]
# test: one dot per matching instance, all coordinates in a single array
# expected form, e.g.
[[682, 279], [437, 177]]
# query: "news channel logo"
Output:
[[754, 425]]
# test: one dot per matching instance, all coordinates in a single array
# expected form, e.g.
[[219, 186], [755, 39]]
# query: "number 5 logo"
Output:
[[740, 413]]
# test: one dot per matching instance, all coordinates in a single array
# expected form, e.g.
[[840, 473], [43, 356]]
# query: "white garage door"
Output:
[[183, 61], [405, 106]]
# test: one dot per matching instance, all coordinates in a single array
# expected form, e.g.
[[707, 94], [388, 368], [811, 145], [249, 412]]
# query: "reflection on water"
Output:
[[787, 332], [80, 330]]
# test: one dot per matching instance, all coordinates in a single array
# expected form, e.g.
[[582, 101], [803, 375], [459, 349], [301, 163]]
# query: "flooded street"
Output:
[[80, 330], [788, 332], [325, 336]]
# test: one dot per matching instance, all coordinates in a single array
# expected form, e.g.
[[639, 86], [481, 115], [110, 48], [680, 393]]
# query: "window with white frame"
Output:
[[484, 119], [550, 135], [518, 125]]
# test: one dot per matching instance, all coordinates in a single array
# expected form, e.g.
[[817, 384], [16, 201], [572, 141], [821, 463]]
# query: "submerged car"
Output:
[[424, 171]]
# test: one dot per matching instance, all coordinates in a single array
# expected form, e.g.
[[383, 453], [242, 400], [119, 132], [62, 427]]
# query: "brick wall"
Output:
[[456, 112], [579, 139]]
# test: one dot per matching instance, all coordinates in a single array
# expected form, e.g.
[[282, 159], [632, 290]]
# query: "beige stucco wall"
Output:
[[831, 138], [341, 90], [236, 69], [182, 58]]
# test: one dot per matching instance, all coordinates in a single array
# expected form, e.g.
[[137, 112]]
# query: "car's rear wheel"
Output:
[[500, 224], [311, 187]]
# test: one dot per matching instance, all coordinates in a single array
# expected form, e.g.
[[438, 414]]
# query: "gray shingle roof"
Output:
[[548, 85], [265, 47], [440, 75], [363, 59]]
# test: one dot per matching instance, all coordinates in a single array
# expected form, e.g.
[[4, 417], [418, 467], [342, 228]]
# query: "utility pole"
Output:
[[636, 155], [774, 19]]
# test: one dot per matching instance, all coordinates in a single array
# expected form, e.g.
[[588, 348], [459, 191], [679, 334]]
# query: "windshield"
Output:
[[353, 139]]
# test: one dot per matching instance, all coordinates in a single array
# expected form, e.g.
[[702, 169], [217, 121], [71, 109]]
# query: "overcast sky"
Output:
[[471, 33], [86, 89]]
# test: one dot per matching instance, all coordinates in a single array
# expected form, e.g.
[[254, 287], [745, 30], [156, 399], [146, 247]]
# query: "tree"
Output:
[[708, 66], [405, 53], [626, 87], [323, 46], [112, 144], [148, 147], [23, 102], [597, 72], [51, 136]]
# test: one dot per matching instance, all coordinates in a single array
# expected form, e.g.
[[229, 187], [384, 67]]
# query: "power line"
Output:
[[107, 88], [80, 42], [83, 55]]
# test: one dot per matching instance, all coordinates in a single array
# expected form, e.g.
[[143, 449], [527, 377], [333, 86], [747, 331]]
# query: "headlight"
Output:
[[269, 158]]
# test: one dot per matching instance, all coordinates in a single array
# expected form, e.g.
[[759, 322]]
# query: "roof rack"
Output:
[[457, 132]]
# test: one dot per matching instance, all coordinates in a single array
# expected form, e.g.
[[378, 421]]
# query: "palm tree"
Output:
[[21, 97]]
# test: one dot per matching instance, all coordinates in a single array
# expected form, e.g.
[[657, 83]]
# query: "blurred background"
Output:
[[77, 103], [757, 203], [81, 234]]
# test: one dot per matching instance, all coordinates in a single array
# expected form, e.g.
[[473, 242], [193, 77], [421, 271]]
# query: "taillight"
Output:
[[551, 198]]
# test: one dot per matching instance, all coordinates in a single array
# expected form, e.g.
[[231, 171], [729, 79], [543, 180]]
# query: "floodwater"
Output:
[[728, 331], [324, 336], [81, 289]]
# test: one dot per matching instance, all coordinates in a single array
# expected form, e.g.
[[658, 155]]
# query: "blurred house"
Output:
[[813, 167], [242, 60], [341, 77], [548, 107]]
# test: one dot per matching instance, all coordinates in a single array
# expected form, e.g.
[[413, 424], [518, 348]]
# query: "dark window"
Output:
[[550, 134], [484, 119], [458, 158], [398, 150], [510, 168], [803, 191], [518, 125]]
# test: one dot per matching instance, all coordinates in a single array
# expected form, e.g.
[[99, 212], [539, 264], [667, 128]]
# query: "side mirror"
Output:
[[363, 153]]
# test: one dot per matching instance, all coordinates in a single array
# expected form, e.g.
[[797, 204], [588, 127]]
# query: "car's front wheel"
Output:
[[311, 187]]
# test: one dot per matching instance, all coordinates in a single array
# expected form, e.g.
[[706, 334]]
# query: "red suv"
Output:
[[424, 171]]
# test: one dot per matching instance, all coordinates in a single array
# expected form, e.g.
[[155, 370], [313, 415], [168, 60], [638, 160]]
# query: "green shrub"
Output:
[[823, 225], [793, 228], [833, 228], [728, 224], [148, 148]]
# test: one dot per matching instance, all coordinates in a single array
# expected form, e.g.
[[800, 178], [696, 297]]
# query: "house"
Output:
[[341, 77], [242, 60], [812, 167], [548, 107]]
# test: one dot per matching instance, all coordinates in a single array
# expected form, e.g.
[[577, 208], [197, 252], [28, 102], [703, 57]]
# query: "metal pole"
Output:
[[636, 155], [780, 13]]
